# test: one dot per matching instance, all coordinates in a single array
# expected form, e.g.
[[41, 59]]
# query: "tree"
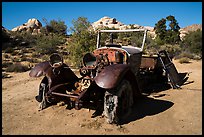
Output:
[[80, 25], [170, 35], [83, 40], [173, 34], [54, 26], [160, 29], [47, 44]]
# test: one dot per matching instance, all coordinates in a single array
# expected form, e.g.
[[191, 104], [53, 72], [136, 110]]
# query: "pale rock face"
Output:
[[107, 22], [187, 29], [32, 25], [113, 22], [149, 28], [15, 29]]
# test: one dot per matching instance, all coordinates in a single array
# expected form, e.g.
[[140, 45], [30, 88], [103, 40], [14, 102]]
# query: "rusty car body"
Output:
[[110, 78]]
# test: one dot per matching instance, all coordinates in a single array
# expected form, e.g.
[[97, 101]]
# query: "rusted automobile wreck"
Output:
[[112, 77]]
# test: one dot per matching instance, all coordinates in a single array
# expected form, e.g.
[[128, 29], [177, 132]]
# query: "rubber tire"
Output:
[[118, 102]]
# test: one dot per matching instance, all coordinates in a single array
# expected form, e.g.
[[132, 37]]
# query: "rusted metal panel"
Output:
[[110, 76], [135, 62], [111, 52], [148, 62]]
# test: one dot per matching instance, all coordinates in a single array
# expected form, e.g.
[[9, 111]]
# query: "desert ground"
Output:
[[169, 112]]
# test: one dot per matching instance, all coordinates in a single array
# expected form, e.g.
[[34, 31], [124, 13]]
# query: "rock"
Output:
[[107, 22], [33, 26], [187, 29]]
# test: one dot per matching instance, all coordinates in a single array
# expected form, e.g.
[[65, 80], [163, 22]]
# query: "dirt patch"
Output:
[[169, 112]]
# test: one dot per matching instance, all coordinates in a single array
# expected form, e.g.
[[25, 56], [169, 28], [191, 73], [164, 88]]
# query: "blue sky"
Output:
[[141, 13]]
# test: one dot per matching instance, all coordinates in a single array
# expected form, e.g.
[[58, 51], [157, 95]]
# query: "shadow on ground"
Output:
[[147, 107]]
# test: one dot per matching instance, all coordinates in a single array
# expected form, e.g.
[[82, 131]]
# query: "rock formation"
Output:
[[187, 29], [33, 25], [107, 22], [5, 30], [112, 22]]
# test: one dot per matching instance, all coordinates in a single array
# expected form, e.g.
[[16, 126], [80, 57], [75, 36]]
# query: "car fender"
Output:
[[111, 75], [40, 69]]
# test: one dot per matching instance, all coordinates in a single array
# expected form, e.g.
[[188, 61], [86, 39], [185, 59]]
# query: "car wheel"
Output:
[[118, 102]]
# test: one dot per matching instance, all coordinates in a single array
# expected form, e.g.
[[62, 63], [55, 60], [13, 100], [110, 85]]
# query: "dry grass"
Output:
[[184, 60]]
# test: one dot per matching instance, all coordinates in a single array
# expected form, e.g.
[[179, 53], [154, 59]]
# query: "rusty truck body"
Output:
[[110, 80]]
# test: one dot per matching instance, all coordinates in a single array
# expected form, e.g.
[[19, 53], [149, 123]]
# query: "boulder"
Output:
[[32, 25], [107, 22]]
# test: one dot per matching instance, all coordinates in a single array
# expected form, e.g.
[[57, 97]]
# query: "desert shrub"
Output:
[[189, 55], [150, 46], [184, 60], [193, 42], [9, 50], [35, 55], [45, 58], [47, 44], [32, 60], [14, 59], [23, 39], [23, 58], [58, 27], [6, 56], [173, 50], [24, 50], [6, 64], [185, 54], [7, 45], [17, 67], [14, 53]]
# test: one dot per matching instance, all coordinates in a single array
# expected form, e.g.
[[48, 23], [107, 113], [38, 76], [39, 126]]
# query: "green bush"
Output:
[[193, 42], [82, 40], [54, 26], [47, 44]]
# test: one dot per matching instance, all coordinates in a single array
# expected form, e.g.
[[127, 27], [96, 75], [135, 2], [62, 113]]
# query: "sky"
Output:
[[142, 13]]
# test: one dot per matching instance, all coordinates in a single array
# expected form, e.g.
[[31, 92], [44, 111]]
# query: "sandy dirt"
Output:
[[169, 112]]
